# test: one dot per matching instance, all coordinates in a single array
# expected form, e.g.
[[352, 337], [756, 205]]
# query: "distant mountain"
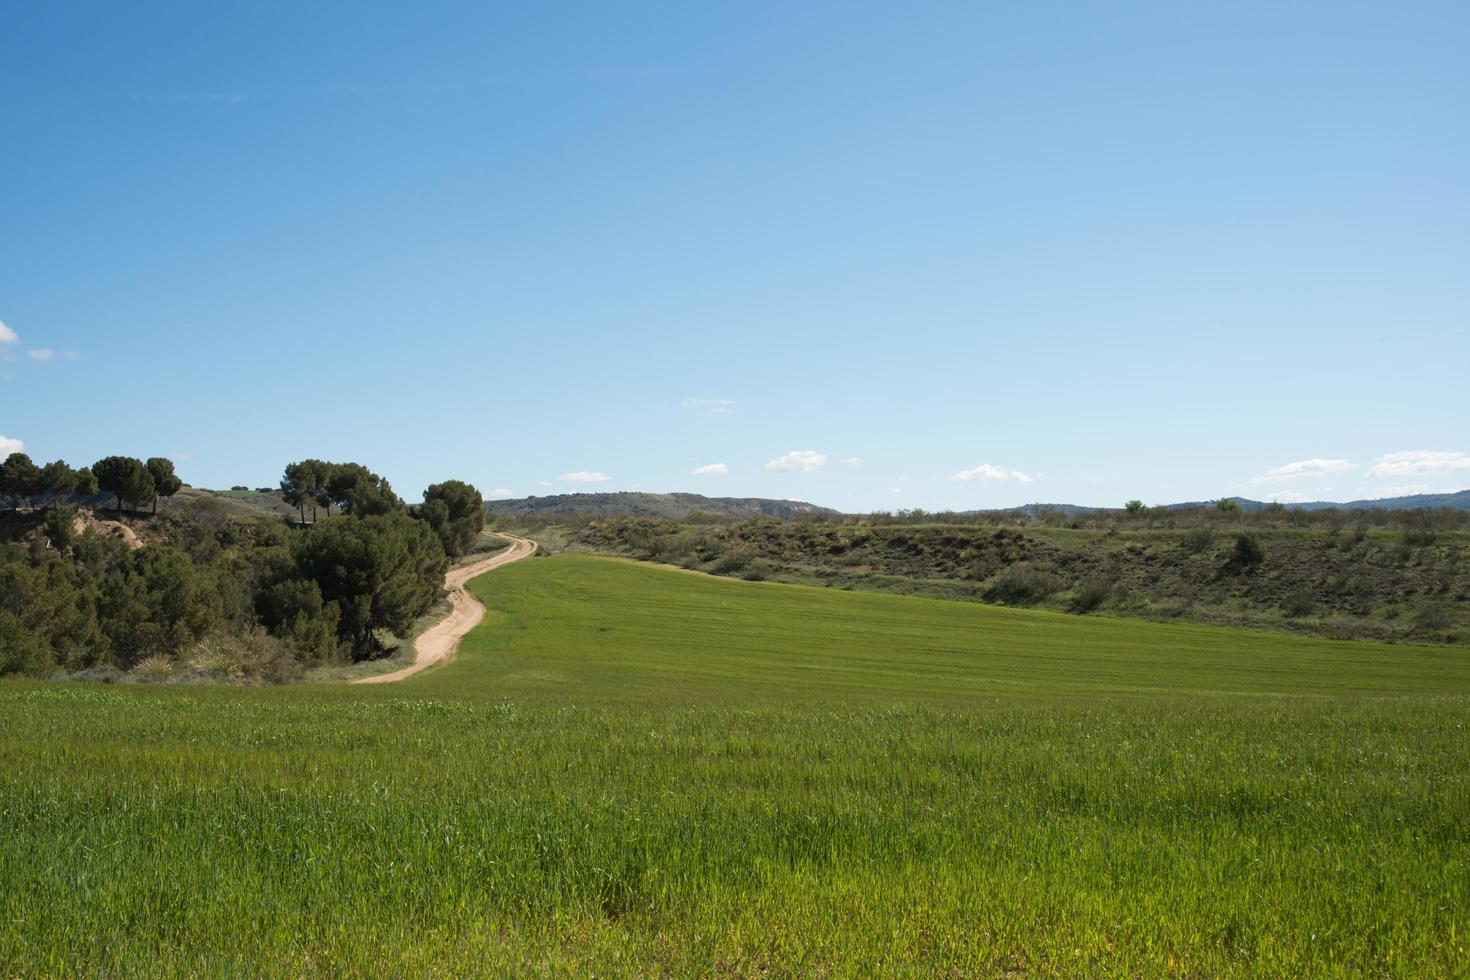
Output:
[[1459, 500], [672, 505]]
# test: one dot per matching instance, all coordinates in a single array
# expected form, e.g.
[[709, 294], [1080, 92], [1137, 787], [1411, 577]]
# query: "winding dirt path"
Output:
[[438, 643]]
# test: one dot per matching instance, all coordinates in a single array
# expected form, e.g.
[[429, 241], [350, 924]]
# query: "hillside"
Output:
[[668, 505], [1459, 500], [1398, 585]]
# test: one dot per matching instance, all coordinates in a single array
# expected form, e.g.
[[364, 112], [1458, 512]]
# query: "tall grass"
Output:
[[636, 771]]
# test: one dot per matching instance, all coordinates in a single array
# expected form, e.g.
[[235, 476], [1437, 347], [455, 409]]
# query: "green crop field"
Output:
[[640, 771]]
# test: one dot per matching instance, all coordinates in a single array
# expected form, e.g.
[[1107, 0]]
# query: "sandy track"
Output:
[[438, 643]]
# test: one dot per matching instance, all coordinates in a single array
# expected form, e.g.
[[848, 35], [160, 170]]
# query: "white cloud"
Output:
[[48, 354], [712, 406], [989, 472], [1418, 462], [584, 476], [851, 461], [802, 460], [9, 445], [8, 336], [896, 490], [500, 493], [713, 469], [1287, 497], [1303, 468]]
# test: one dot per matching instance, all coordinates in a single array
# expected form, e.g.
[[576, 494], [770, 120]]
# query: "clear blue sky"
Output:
[[1120, 250]]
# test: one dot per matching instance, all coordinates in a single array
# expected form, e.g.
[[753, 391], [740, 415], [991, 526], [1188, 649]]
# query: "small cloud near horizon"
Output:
[[1304, 468], [799, 460], [713, 469], [501, 493], [9, 445], [50, 354], [991, 474], [8, 336], [851, 461], [710, 406], [584, 476], [1417, 462]]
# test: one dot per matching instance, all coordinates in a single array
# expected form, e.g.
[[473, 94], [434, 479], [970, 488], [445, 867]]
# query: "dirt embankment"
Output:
[[108, 529]]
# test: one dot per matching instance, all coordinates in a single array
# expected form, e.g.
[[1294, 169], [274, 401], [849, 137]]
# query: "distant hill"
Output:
[[631, 504], [1459, 500]]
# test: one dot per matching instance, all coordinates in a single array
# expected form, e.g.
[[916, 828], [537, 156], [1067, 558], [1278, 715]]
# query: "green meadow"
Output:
[[634, 770]]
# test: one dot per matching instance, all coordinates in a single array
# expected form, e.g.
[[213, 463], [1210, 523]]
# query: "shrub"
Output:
[[1197, 539], [735, 560], [61, 528], [1021, 584], [1247, 552], [1434, 617], [152, 669], [757, 570], [1301, 602], [1093, 591]]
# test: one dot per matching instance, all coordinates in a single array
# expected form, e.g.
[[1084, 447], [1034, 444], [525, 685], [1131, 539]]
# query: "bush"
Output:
[[1197, 539], [758, 570], [61, 528], [1022, 583], [1094, 590], [1301, 602], [735, 560], [1434, 618], [1247, 552]]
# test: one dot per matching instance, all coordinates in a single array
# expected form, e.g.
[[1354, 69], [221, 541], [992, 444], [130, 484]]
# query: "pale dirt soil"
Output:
[[117, 529], [437, 644]]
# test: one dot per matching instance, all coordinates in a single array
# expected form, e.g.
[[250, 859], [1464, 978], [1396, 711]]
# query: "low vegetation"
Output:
[[630, 770], [1393, 576]]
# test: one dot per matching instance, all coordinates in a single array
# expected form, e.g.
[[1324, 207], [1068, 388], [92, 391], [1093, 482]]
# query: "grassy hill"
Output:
[[633, 770], [677, 506], [1410, 584]]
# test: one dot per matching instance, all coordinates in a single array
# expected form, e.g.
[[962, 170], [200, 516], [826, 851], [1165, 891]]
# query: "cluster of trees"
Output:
[[352, 487], [315, 594], [23, 481], [128, 479], [453, 509]]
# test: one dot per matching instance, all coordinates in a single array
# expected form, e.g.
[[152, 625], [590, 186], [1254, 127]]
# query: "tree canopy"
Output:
[[165, 482], [456, 512], [381, 572], [126, 478]]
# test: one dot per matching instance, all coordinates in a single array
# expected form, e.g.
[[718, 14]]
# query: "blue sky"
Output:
[[870, 255]]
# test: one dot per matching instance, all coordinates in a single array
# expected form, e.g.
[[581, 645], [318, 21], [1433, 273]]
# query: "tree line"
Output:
[[127, 479], [273, 594]]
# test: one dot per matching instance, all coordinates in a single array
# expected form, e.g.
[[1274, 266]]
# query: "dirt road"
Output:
[[438, 643]]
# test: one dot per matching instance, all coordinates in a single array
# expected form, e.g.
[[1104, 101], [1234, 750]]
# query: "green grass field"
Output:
[[634, 770]]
